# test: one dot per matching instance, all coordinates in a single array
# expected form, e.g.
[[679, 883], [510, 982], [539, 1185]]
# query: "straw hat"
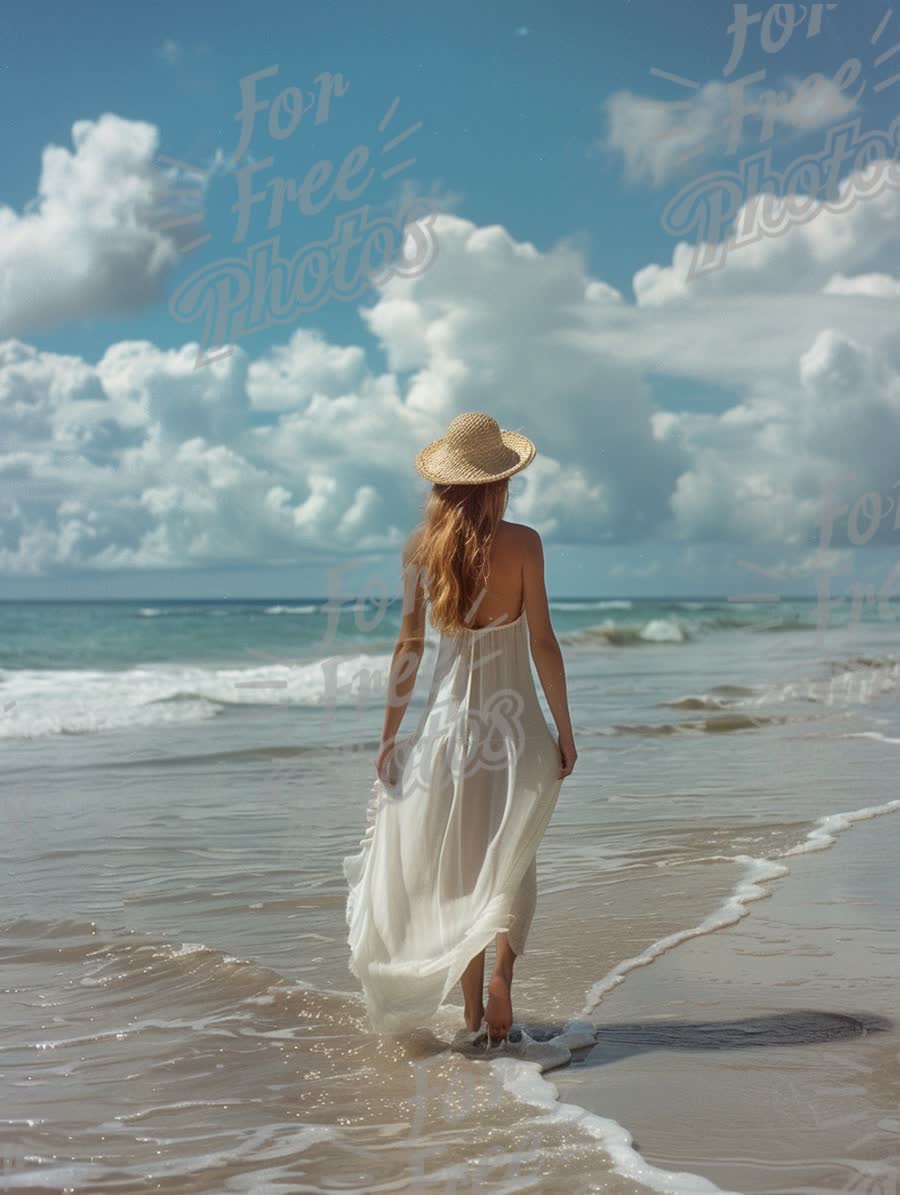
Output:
[[475, 450]]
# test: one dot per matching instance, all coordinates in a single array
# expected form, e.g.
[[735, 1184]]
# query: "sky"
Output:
[[252, 258]]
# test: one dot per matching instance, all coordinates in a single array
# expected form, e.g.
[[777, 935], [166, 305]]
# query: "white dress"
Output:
[[448, 858]]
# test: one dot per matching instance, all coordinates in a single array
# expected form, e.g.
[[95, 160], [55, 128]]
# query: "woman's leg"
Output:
[[523, 908], [498, 1013], [472, 983], [509, 946]]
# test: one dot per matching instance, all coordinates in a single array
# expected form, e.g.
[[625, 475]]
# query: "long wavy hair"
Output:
[[453, 551]]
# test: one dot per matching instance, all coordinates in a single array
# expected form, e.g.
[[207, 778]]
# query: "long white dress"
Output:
[[448, 858]]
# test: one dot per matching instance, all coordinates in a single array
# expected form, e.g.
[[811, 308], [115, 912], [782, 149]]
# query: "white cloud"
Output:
[[177, 466], [659, 138], [88, 244], [142, 461], [879, 286], [801, 259], [761, 470], [306, 365]]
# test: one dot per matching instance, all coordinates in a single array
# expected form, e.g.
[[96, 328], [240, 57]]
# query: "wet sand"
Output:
[[766, 1056]]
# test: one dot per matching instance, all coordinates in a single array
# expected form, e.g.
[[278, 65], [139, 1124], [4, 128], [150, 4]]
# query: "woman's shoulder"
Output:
[[522, 535], [517, 535]]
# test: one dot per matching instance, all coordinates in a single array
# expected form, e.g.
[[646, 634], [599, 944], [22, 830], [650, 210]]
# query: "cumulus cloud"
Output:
[[307, 448], [89, 243], [291, 374], [801, 330], [854, 239], [776, 468], [142, 461]]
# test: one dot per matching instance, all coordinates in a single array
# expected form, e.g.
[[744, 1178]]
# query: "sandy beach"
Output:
[[766, 1056]]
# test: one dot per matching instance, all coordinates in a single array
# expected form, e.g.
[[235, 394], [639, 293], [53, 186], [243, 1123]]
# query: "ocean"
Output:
[[182, 779]]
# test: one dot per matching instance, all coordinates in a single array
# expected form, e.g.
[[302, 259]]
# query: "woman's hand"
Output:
[[567, 755], [386, 763]]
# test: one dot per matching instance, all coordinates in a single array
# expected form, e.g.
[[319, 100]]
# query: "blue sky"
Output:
[[685, 425]]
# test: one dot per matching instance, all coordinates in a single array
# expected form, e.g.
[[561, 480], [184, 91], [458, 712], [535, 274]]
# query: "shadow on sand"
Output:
[[796, 1028]]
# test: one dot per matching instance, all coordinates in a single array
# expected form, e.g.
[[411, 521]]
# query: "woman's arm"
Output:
[[545, 648], [407, 655]]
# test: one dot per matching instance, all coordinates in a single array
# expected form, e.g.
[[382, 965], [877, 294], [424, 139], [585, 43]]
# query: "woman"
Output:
[[448, 861]]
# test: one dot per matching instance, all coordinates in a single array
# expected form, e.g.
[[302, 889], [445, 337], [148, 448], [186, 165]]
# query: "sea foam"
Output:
[[45, 702]]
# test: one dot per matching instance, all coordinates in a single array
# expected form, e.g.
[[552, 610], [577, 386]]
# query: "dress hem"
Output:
[[497, 917]]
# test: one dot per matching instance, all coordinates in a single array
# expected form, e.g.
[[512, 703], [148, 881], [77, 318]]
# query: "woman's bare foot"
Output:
[[498, 1013]]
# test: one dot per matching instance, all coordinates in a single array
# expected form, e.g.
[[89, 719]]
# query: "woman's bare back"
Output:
[[515, 582], [502, 600]]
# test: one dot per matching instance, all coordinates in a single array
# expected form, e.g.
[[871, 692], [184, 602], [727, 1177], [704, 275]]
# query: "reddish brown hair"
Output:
[[453, 550]]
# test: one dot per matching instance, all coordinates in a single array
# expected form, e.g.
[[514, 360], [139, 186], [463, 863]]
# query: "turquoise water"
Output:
[[118, 634], [82, 667]]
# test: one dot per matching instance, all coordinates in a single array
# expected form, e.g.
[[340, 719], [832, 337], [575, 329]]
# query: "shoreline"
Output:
[[689, 1092]]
